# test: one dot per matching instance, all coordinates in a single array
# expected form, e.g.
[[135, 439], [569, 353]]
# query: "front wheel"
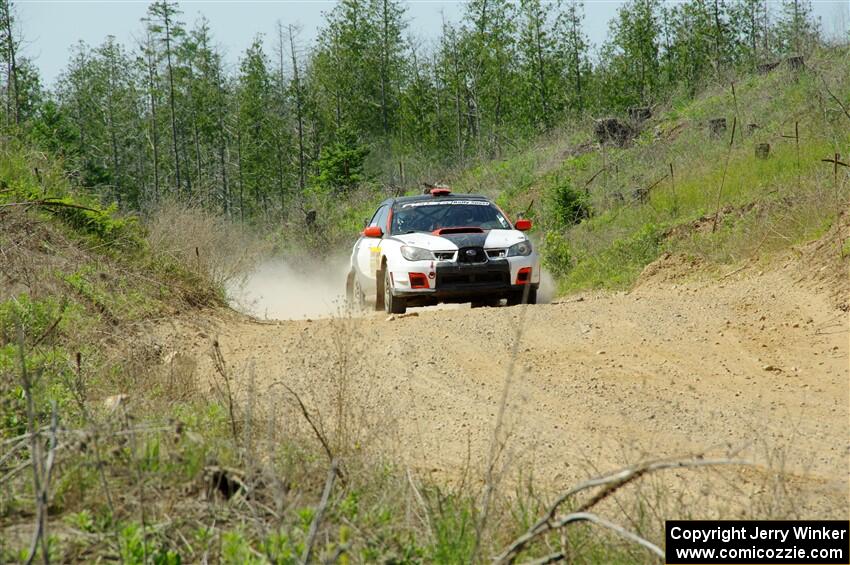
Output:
[[516, 297], [392, 304], [354, 294]]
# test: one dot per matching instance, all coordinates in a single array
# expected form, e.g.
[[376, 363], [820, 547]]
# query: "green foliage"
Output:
[[48, 366], [236, 549], [139, 547], [557, 257], [568, 206], [340, 165], [454, 531], [617, 266], [134, 126]]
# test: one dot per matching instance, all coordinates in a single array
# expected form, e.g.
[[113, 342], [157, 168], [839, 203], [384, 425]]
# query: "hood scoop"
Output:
[[448, 231]]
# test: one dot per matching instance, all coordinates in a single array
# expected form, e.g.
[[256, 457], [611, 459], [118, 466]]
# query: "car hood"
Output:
[[492, 239]]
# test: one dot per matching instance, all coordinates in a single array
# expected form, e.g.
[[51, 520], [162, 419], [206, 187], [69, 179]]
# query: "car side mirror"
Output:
[[523, 225], [373, 231]]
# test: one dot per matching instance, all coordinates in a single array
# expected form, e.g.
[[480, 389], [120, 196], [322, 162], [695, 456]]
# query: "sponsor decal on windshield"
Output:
[[446, 203]]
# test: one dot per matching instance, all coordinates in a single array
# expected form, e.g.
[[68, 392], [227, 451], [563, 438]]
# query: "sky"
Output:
[[51, 27]]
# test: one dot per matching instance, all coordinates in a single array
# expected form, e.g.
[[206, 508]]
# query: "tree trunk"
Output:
[[12, 87], [154, 129], [299, 111], [167, 22]]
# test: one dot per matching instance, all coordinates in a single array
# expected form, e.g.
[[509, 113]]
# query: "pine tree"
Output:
[[572, 50], [164, 26]]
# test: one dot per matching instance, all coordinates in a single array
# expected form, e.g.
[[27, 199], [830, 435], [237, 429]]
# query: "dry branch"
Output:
[[317, 519], [49, 203], [221, 368], [321, 437], [611, 482], [607, 524]]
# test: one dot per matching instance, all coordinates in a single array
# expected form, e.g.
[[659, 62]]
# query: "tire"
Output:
[[392, 304], [379, 288], [516, 297], [354, 295]]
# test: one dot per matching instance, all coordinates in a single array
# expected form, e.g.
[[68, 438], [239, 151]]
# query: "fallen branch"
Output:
[[319, 434], [611, 482], [317, 519], [48, 202], [221, 369], [833, 96], [599, 521]]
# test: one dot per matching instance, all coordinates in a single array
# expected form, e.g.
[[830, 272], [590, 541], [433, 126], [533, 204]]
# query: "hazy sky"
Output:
[[50, 27]]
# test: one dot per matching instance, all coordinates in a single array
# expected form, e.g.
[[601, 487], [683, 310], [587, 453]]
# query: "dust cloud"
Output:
[[279, 290]]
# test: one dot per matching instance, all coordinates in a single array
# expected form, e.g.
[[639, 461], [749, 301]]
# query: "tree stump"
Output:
[[762, 150], [640, 195], [796, 63], [310, 218], [717, 126], [612, 130], [765, 68], [751, 128], [640, 114]]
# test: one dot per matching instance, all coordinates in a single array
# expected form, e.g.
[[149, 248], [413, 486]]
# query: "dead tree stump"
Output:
[[765, 68], [751, 128], [796, 63], [638, 115], [717, 126], [762, 150], [612, 130], [310, 218]]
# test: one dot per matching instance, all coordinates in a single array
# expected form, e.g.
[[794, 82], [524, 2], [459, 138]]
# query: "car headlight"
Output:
[[520, 249], [416, 253]]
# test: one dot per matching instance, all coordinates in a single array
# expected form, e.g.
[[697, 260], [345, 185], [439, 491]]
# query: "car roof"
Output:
[[424, 197]]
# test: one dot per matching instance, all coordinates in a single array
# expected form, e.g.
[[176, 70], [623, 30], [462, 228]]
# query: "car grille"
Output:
[[497, 253], [471, 255], [461, 279], [444, 255]]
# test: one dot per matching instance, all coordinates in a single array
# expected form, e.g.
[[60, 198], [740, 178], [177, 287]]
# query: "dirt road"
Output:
[[756, 362]]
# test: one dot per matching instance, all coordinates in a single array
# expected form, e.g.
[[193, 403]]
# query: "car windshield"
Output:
[[432, 215]]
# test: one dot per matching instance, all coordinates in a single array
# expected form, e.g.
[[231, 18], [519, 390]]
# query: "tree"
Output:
[[796, 28], [298, 95], [255, 128], [341, 162], [163, 26], [536, 44], [630, 57], [572, 50], [9, 43]]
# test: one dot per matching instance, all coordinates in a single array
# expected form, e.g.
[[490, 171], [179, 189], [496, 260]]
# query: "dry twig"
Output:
[[321, 437], [317, 519], [611, 483]]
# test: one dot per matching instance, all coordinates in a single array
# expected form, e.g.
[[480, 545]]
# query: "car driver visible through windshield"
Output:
[[431, 215]]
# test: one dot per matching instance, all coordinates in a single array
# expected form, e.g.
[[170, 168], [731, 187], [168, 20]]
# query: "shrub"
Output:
[[208, 245], [568, 206], [557, 256]]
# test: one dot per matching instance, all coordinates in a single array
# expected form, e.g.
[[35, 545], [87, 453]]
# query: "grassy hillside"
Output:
[[761, 205]]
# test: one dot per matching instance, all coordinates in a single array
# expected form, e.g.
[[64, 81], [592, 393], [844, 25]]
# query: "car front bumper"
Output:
[[463, 282]]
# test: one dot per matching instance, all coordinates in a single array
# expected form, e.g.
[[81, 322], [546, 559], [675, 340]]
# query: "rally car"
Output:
[[441, 247]]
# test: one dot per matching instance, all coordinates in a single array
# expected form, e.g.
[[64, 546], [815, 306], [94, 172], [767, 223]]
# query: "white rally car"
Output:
[[442, 247]]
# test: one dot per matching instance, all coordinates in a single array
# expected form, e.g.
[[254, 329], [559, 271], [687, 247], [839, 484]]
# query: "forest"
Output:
[[365, 106]]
